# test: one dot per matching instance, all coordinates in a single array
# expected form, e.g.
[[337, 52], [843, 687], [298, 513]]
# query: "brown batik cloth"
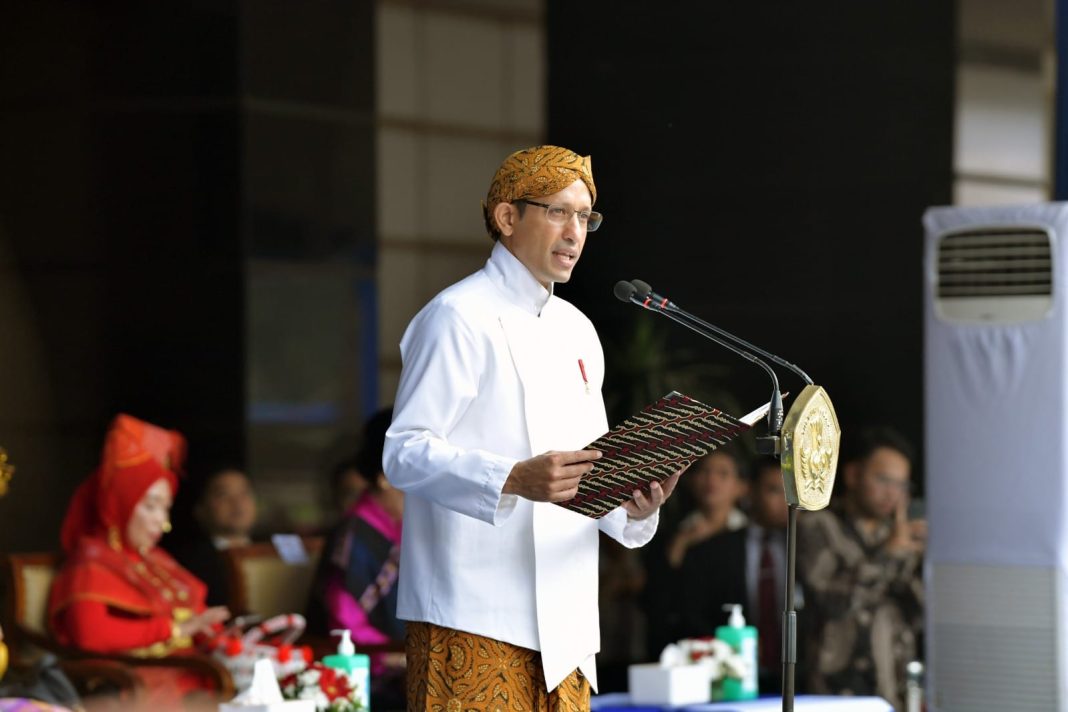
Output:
[[453, 671]]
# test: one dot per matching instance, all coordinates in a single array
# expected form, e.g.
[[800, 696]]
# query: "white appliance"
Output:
[[996, 391]]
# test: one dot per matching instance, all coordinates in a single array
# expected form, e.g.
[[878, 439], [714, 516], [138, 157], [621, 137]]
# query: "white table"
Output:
[[812, 703]]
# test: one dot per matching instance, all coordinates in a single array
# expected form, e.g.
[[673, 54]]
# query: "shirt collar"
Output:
[[515, 281]]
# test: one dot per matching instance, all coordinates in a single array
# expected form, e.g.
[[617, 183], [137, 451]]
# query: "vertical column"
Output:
[[307, 206], [459, 86], [1060, 111]]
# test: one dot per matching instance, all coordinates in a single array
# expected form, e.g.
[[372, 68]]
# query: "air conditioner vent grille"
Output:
[[995, 263]]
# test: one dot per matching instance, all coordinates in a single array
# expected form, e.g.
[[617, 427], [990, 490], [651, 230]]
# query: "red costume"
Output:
[[109, 597]]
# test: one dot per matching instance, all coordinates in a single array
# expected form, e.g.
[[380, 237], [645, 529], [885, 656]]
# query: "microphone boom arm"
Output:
[[651, 300], [716, 335]]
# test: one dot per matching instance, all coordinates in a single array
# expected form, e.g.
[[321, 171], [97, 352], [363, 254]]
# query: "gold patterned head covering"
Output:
[[533, 173]]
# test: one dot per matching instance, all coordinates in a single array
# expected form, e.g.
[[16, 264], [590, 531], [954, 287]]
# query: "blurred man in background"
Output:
[[860, 563]]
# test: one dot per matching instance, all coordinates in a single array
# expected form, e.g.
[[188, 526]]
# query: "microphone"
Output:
[[624, 290], [651, 299], [638, 292]]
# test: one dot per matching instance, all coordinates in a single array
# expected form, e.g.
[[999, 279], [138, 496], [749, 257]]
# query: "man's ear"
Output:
[[506, 215]]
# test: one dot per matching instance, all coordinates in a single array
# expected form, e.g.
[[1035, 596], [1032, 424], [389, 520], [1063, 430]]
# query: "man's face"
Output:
[[548, 250], [228, 507], [881, 483], [716, 482], [769, 499], [349, 488]]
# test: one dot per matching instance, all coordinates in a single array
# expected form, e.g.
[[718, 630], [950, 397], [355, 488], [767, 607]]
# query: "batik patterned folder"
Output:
[[652, 445]]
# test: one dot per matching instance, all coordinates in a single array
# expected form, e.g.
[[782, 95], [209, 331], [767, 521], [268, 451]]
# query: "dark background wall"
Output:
[[119, 216], [765, 165], [159, 163]]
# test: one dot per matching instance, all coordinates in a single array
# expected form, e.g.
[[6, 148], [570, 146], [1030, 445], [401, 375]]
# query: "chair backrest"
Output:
[[28, 584], [29, 580], [262, 583]]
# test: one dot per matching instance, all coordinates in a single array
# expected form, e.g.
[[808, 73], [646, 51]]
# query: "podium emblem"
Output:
[[810, 440]]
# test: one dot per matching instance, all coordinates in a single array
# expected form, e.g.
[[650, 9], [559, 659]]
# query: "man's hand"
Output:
[[550, 477], [907, 535], [642, 505]]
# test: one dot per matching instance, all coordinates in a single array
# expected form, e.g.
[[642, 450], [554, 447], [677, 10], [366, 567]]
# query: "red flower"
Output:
[[334, 685]]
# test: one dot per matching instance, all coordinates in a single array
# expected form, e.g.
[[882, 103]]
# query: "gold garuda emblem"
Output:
[[6, 472], [810, 439]]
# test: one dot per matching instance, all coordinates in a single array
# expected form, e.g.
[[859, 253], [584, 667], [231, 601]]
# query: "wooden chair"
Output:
[[28, 581], [263, 584]]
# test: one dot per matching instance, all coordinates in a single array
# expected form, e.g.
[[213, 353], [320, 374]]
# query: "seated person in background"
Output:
[[117, 592], [746, 566], [347, 484], [860, 563], [355, 584], [221, 514], [717, 481]]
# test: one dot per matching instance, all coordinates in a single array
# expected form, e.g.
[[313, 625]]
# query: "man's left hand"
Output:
[[642, 505]]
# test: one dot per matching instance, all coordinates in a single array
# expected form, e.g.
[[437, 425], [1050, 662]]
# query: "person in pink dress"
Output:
[[355, 585]]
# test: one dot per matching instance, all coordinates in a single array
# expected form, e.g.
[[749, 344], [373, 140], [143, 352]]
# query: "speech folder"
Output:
[[650, 446]]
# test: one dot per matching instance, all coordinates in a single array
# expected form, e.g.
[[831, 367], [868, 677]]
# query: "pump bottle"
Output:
[[356, 666], [743, 639]]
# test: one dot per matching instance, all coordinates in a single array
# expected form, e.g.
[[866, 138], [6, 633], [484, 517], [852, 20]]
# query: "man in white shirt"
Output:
[[500, 388]]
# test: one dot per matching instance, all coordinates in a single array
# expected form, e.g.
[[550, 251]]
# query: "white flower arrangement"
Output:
[[718, 657]]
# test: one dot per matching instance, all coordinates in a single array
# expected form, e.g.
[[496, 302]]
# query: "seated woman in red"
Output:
[[118, 592]]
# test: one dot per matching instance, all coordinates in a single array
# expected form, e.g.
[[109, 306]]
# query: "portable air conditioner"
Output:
[[996, 369]]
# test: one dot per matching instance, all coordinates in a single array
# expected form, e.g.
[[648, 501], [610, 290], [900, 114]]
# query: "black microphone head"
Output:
[[624, 290], [641, 288]]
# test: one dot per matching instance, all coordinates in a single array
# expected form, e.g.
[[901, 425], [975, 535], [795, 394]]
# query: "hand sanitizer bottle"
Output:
[[743, 639], [356, 667]]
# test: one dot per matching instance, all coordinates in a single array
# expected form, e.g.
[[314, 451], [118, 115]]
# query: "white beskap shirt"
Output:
[[490, 377]]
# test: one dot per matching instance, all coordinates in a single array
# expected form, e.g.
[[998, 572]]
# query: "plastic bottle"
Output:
[[743, 639], [914, 687], [356, 666]]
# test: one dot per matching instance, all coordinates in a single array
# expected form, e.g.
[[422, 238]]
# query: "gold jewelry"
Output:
[[3, 659], [166, 527], [114, 538]]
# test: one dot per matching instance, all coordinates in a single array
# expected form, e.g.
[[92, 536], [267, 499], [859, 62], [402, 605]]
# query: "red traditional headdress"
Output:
[[136, 455]]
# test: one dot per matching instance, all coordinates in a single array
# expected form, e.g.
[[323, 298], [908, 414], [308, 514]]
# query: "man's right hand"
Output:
[[908, 535], [550, 477]]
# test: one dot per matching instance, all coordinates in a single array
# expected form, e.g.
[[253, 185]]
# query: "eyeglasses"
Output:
[[561, 214], [891, 483]]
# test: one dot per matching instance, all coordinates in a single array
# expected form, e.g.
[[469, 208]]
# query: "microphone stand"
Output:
[[641, 294]]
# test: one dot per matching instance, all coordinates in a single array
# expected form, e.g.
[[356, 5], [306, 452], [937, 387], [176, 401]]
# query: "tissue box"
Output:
[[284, 706], [678, 685]]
